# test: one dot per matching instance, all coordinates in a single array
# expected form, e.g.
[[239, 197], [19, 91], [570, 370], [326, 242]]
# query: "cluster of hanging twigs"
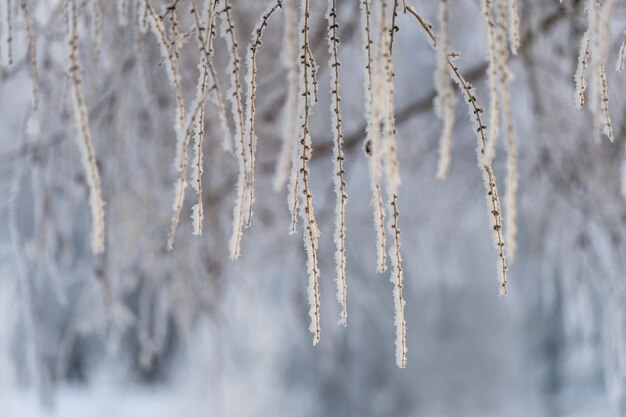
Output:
[[379, 23]]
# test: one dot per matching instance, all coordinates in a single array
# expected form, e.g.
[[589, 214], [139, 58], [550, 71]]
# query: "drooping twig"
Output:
[[85, 144], [491, 188], [339, 180], [250, 79]]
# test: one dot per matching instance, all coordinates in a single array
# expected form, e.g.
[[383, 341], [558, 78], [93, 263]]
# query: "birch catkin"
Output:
[[85, 144]]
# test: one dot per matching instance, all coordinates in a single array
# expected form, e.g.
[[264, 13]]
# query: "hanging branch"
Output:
[[392, 179], [9, 30], [205, 38], [372, 139], [235, 95], [491, 189], [301, 157], [445, 100], [492, 72], [512, 179], [170, 57], [341, 195], [197, 211], [397, 278], [513, 26], [182, 159], [581, 68], [86, 147], [250, 79], [32, 49], [290, 60], [96, 32]]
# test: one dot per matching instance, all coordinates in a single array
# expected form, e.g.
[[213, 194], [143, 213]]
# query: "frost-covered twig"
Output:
[[392, 177], [372, 139], [426, 26], [235, 95], [32, 49], [289, 131], [338, 159], [170, 56], [387, 105], [492, 72], [197, 211], [250, 79], [607, 128], [96, 28], [396, 278], [394, 26], [579, 77], [302, 155], [205, 36], [489, 179], [512, 177], [514, 38], [183, 135], [445, 99], [491, 188], [85, 144], [9, 31]]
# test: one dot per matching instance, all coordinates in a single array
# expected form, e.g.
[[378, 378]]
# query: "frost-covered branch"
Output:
[[85, 144], [341, 195], [235, 95], [372, 139], [250, 79], [302, 155]]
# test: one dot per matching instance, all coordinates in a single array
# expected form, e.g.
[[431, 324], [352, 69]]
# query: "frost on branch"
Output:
[[445, 99], [250, 79], [235, 95], [372, 139], [593, 52], [301, 189], [492, 72], [205, 34], [341, 196], [85, 144], [489, 179], [491, 189], [289, 126], [171, 57], [183, 136]]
